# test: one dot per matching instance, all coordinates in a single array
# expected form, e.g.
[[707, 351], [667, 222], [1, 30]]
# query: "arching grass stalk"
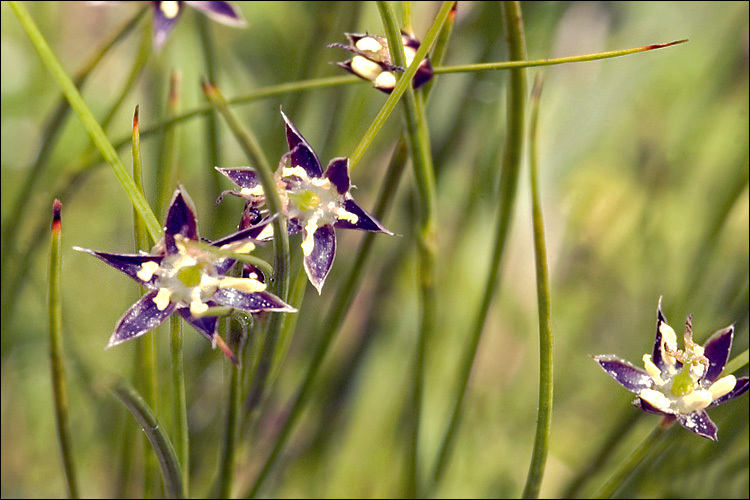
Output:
[[49, 136], [544, 415], [59, 389], [508, 182], [156, 435], [93, 127], [419, 146], [146, 345]]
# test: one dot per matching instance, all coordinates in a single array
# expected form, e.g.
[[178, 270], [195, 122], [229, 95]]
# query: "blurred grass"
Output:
[[644, 179]]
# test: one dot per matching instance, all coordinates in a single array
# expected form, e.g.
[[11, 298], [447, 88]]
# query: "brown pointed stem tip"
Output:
[[662, 45], [56, 218], [209, 88], [452, 13], [135, 118], [226, 350]]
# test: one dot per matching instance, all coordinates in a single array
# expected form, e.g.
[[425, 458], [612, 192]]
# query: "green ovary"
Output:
[[306, 200], [682, 383], [190, 276]]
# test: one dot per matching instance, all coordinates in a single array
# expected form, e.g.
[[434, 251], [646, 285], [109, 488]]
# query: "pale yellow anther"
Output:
[[239, 247], [256, 191], [343, 214], [652, 369], [365, 68], [722, 386], [246, 285], [369, 44], [669, 337], [147, 270], [409, 52], [197, 307], [321, 182], [162, 298], [697, 400], [308, 242], [266, 233], [170, 9], [294, 171], [385, 80], [655, 398]]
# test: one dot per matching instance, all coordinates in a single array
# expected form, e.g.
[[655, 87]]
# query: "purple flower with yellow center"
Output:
[[186, 276], [314, 202], [372, 61], [166, 15], [680, 384]]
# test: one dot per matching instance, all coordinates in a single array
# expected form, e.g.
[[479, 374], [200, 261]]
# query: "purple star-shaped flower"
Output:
[[680, 384], [372, 60], [314, 202], [186, 276], [166, 15]]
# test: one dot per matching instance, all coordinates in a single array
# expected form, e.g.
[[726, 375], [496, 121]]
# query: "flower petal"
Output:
[[698, 422], [302, 154], [657, 356], [244, 177], [632, 378], [166, 15], [740, 388], [365, 221], [206, 325], [129, 264], [717, 349], [252, 302], [338, 173], [143, 316], [320, 260], [181, 219], [223, 12]]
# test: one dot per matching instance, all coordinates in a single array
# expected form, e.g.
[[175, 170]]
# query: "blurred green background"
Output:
[[644, 176]]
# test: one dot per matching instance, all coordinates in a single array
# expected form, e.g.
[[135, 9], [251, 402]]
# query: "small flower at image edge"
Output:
[[680, 384], [372, 61], [185, 275], [314, 202], [166, 15]]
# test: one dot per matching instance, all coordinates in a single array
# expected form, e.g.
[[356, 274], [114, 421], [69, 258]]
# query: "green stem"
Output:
[[471, 68], [336, 314], [419, 145], [508, 183], [59, 388], [226, 462], [87, 118], [179, 401], [167, 172], [647, 447], [146, 345], [544, 416]]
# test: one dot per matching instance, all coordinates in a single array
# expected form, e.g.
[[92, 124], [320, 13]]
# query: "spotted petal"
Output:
[[127, 263], [657, 355], [632, 378], [166, 15], [300, 151], [244, 177], [223, 12], [365, 221], [181, 219], [338, 173], [740, 388], [251, 302], [717, 349], [143, 316], [320, 260], [698, 422], [206, 325]]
